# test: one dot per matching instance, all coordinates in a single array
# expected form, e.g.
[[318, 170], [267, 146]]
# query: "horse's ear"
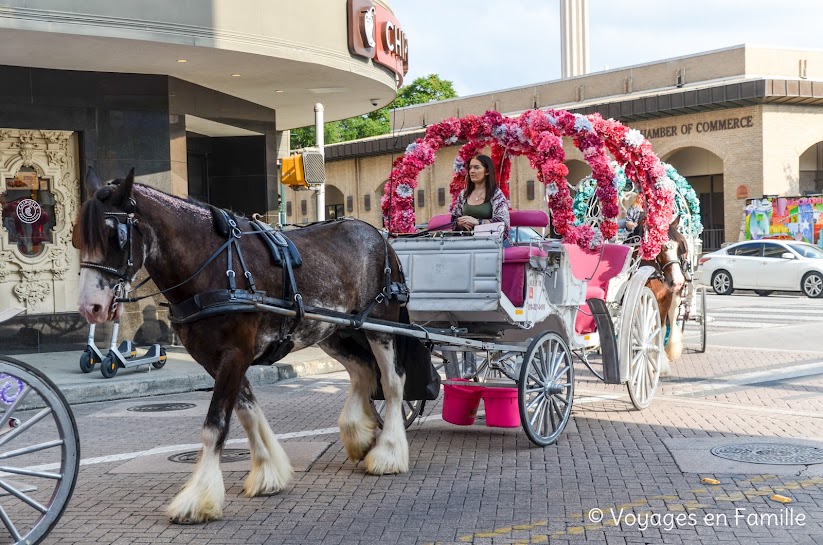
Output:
[[122, 194], [93, 182], [675, 222]]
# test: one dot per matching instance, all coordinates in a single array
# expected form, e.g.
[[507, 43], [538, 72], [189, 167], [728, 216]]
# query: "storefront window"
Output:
[[28, 211]]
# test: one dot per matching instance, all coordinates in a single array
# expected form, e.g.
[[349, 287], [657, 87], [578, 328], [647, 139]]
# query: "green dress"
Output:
[[480, 211]]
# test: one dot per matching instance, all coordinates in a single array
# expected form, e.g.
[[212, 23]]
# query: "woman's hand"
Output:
[[467, 222]]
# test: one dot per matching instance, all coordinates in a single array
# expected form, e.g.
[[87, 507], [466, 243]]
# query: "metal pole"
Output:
[[320, 139]]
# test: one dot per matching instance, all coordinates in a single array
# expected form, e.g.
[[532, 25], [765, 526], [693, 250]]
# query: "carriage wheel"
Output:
[[645, 350], [39, 452], [546, 388], [411, 410], [702, 317]]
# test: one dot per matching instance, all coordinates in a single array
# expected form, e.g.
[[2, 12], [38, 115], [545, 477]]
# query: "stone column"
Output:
[[574, 37]]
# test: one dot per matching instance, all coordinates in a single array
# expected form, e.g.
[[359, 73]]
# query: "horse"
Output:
[[346, 265], [667, 284]]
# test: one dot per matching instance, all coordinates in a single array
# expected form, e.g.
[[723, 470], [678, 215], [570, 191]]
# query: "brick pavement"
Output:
[[478, 484]]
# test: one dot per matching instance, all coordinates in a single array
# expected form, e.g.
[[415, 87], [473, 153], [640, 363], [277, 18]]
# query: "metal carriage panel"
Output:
[[451, 274]]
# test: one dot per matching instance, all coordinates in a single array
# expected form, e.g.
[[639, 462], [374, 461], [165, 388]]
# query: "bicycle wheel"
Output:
[[39, 452]]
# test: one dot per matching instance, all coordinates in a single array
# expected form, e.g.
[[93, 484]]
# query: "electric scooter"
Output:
[[155, 356], [92, 354]]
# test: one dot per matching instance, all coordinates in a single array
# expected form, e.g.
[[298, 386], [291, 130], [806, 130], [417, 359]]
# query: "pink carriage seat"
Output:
[[438, 221], [528, 218], [513, 281], [588, 265]]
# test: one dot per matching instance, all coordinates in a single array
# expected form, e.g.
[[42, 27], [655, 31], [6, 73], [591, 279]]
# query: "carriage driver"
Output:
[[482, 201]]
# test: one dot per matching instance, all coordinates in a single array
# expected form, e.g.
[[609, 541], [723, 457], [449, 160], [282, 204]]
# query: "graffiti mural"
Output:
[[793, 218]]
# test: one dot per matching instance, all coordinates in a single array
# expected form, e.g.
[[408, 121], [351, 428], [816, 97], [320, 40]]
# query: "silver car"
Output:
[[764, 266]]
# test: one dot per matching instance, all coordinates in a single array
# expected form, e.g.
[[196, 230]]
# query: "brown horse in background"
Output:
[[667, 284]]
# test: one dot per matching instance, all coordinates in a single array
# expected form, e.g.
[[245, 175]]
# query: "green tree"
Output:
[[422, 90]]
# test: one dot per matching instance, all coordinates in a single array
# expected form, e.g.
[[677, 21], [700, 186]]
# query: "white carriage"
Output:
[[526, 310]]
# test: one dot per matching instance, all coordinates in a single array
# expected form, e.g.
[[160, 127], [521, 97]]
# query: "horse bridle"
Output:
[[126, 223]]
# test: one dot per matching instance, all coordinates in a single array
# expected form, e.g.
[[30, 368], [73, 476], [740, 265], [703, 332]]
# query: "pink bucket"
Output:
[[502, 409], [460, 403]]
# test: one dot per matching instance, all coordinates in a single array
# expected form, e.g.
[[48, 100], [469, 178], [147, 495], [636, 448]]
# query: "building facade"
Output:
[[738, 123], [197, 95]]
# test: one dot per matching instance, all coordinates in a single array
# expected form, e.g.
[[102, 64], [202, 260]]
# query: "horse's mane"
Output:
[[91, 222]]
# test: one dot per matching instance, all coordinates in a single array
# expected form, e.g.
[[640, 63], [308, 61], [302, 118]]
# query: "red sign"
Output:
[[742, 192], [374, 33]]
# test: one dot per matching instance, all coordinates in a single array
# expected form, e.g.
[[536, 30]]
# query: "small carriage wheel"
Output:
[[411, 410], [87, 361], [702, 317], [161, 361], [546, 388], [645, 350], [108, 367], [41, 450]]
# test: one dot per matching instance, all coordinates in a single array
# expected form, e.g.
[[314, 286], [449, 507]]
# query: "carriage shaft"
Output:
[[382, 326]]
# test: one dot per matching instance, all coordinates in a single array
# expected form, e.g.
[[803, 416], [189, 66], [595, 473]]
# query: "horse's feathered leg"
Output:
[[270, 466], [358, 426], [201, 499], [391, 453]]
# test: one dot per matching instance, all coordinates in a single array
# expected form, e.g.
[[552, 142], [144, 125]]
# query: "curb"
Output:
[[159, 384]]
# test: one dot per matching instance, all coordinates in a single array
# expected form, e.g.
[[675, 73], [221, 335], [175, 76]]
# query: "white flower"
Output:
[[411, 147], [634, 138], [450, 140], [582, 123], [551, 119], [551, 189], [664, 183], [404, 191], [597, 239], [459, 165]]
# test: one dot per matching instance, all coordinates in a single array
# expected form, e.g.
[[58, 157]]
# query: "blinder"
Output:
[[124, 242]]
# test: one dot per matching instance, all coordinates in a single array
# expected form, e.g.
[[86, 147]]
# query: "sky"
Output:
[[487, 45]]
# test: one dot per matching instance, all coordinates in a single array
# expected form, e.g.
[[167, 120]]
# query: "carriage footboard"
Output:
[[608, 342]]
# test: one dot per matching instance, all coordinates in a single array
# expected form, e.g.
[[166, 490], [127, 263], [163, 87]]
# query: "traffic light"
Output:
[[303, 170]]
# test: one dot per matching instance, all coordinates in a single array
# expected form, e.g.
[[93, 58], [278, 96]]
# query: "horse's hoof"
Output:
[[387, 461], [189, 519], [358, 440]]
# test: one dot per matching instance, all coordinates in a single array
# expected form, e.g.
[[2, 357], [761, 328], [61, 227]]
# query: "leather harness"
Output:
[[233, 300]]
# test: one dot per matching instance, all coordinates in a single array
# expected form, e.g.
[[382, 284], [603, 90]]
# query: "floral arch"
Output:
[[538, 135]]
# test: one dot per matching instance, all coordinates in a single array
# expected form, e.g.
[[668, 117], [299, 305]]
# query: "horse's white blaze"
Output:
[[202, 497], [674, 346], [270, 466], [391, 453], [95, 297], [674, 270]]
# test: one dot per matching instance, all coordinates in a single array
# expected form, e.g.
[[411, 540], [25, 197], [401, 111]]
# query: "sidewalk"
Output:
[[180, 374]]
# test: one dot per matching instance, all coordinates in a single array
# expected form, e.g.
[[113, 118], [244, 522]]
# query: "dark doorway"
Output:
[[228, 172]]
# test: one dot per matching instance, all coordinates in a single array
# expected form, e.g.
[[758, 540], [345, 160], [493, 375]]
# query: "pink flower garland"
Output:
[[647, 173], [538, 135]]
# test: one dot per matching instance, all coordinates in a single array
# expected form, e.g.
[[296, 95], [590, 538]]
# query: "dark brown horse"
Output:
[[125, 226]]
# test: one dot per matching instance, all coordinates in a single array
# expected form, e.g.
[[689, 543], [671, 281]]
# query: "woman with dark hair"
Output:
[[482, 201]]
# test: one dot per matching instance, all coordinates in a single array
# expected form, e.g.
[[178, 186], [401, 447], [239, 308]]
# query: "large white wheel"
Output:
[[39, 452], [645, 349], [546, 388]]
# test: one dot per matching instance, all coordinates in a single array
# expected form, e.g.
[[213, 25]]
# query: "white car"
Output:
[[764, 266]]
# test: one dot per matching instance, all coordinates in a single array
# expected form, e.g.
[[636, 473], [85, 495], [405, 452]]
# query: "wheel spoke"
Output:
[[26, 425], [537, 411], [22, 497], [9, 525], [30, 472], [29, 450]]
